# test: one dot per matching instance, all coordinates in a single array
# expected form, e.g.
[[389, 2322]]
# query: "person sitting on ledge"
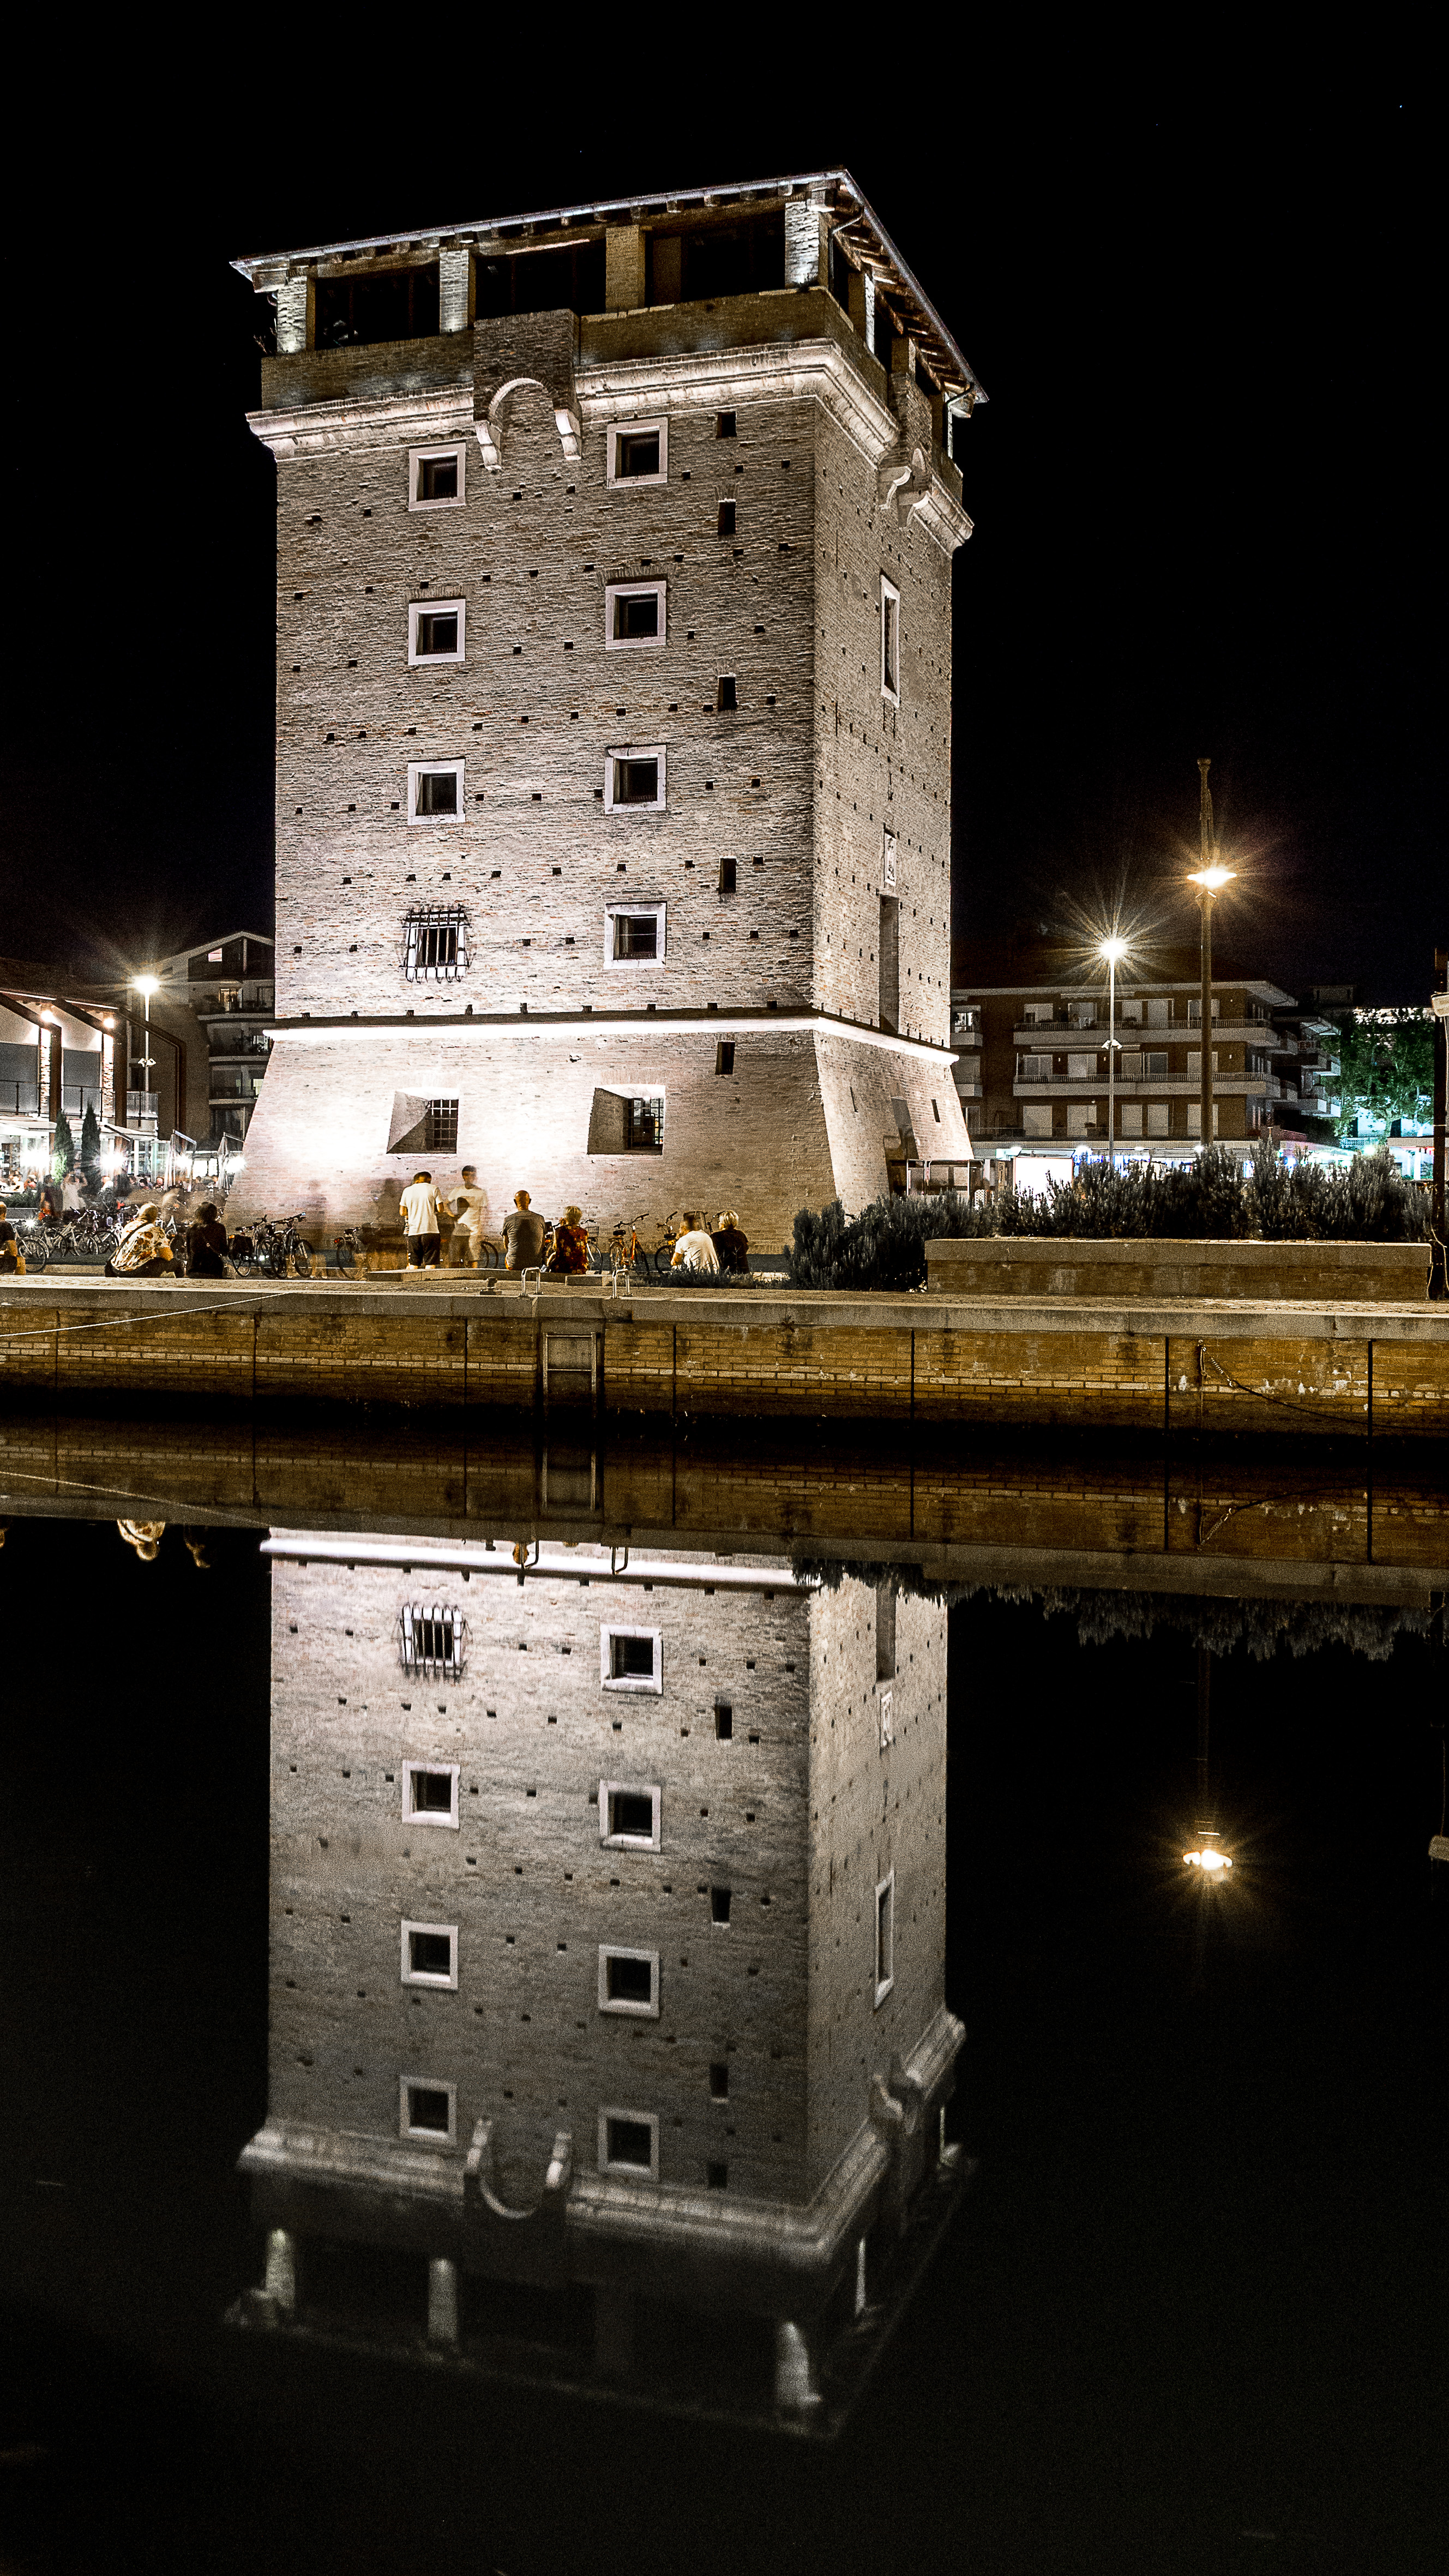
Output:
[[143, 1251], [523, 1234], [11, 1256], [206, 1244], [732, 1249], [570, 1245], [694, 1247]]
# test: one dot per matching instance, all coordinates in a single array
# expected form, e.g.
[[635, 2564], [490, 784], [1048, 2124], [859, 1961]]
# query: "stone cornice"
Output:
[[392, 420], [692, 380], [596, 1024]]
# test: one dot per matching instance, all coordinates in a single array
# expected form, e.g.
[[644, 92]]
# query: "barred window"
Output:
[[646, 1124], [432, 1640], [435, 944], [440, 1127]]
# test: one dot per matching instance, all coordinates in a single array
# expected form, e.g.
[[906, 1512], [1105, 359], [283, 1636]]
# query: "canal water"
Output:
[[581, 2007]]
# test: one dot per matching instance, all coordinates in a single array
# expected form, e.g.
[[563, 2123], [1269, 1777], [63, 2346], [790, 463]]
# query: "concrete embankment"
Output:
[[1177, 1365]]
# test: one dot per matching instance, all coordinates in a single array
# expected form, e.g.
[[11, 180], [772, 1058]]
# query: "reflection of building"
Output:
[[608, 1921], [613, 708]]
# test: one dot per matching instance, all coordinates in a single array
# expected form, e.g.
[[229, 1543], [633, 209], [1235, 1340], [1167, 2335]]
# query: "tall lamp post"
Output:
[[145, 985], [1210, 880], [1112, 949]]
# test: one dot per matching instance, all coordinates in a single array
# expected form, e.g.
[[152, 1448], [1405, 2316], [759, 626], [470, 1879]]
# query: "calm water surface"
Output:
[[1164, 2291]]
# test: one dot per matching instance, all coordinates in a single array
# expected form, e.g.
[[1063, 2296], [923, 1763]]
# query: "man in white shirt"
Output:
[[693, 1249], [422, 1222], [470, 1210]]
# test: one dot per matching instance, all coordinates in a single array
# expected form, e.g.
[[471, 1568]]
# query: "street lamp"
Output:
[[1210, 880], [1112, 949]]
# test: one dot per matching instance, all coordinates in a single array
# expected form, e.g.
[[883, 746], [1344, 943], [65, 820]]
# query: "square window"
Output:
[[629, 2143], [639, 452], [629, 1817], [726, 698], [430, 1793], [629, 1659], [719, 1905], [634, 777], [1157, 1120], [634, 934], [430, 1954], [724, 1056], [435, 788], [724, 424], [719, 2081], [629, 1983], [428, 2110], [890, 642], [635, 613], [437, 477], [885, 1937], [436, 629], [724, 1722], [725, 524]]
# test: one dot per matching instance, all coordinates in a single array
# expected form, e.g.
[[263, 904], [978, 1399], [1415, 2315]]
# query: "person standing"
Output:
[[422, 1222], [523, 1234], [72, 1194], [470, 1210]]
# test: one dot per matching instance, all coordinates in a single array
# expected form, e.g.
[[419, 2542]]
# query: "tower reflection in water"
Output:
[[608, 2040]]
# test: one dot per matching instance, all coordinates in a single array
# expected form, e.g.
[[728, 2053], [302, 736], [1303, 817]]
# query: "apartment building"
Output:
[[607, 1947], [1032, 1063], [212, 1007], [59, 1051], [613, 708]]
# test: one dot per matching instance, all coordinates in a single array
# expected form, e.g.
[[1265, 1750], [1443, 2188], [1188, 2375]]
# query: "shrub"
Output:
[[883, 1247]]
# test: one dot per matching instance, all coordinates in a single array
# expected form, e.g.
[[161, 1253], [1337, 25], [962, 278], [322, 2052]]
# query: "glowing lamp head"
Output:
[[1213, 879], [1212, 1863], [51, 1019], [1114, 950], [108, 1023], [146, 985]]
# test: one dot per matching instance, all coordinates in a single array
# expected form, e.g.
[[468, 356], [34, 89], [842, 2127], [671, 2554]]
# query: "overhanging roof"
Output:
[[865, 242]]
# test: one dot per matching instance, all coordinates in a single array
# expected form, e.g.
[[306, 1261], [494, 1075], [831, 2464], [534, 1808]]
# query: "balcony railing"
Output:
[[22, 1100]]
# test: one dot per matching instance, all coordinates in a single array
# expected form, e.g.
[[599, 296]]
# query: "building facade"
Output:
[[1032, 1063], [607, 1947], [614, 709]]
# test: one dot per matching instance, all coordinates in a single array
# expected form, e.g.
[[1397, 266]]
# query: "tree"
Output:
[[90, 1145], [1387, 1061], [63, 1157]]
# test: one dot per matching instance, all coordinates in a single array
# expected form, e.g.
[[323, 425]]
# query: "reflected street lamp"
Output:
[[1210, 880]]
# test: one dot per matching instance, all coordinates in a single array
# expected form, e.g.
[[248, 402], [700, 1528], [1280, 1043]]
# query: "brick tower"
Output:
[[613, 710]]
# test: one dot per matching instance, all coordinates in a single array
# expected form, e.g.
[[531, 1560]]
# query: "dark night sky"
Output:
[[1199, 486]]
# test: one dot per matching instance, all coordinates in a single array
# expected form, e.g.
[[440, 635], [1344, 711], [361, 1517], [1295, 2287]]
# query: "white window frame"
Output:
[[426, 769], [436, 608], [429, 1815], [887, 1705], [888, 863], [424, 1977], [629, 1789], [642, 2119], [631, 1681], [885, 1887], [615, 2004], [616, 590], [427, 2137], [890, 692], [420, 456], [637, 429], [634, 965], [629, 751]]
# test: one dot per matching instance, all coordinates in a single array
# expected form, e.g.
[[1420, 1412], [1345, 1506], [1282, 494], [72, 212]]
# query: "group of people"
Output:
[[524, 1236]]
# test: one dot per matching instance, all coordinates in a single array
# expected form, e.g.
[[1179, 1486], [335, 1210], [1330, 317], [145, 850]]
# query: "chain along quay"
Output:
[[1270, 1367]]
